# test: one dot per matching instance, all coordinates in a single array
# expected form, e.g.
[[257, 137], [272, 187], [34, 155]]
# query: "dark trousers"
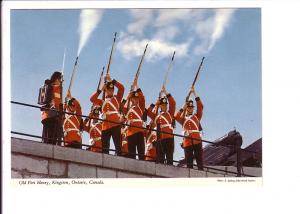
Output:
[[115, 133], [192, 151], [165, 150], [136, 142], [51, 131], [74, 144]]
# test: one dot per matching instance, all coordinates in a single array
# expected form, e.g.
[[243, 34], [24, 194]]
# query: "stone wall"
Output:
[[30, 159]]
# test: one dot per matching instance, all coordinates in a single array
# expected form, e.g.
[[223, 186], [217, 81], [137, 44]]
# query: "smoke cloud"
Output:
[[88, 20]]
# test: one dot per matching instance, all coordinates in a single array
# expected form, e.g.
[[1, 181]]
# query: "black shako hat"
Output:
[[190, 103], [163, 100], [109, 85]]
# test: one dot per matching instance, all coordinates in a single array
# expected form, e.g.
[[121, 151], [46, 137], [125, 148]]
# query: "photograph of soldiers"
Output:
[[115, 124]]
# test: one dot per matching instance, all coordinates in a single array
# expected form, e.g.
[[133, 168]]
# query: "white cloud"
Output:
[[174, 29], [132, 47], [167, 33], [166, 17], [143, 17]]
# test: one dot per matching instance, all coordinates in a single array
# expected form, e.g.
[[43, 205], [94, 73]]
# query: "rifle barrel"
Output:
[[101, 76], [195, 79], [139, 67], [111, 52], [168, 70], [73, 73], [198, 71]]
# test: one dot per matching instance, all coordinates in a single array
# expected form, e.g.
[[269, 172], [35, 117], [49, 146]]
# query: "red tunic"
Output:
[[150, 149], [94, 129], [164, 118], [190, 125], [134, 116], [110, 107], [71, 125]]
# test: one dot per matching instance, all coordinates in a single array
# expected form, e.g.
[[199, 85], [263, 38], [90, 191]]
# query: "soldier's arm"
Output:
[[95, 100], [172, 104], [86, 124], [78, 108], [124, 106], [150, 112], [121, 89], [141, 99], [179, 116], [199, 108]]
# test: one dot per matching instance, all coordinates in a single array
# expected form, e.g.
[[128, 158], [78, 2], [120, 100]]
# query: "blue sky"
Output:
[[229, 84]]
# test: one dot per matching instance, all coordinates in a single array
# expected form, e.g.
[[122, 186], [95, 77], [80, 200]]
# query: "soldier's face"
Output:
[[72, 108], [57, 82], [190, 110], [163, 107], [134, 100]]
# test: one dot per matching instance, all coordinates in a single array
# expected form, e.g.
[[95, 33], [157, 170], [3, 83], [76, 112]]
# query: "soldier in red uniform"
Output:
[[50, 119], [94, 128], [111, 112], [151, 138], [134, 110], [191, 125], [73, 124], [124, 142], [164, 146]]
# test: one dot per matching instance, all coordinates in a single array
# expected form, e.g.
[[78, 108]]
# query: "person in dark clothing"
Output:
[[51, 120]]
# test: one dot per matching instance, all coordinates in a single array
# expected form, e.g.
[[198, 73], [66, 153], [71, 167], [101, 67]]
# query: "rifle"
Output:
[[166, 74], [62, 76], [195, 79], [61, 118], [99, 83], [139, 68], [109, 60], [72, 77], [100, 80]]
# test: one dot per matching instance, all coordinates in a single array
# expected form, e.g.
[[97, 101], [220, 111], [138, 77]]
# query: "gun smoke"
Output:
[[88, 20]]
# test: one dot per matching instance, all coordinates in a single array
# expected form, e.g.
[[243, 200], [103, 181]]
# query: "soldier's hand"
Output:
[[184, 106], [163, 89], [192, 89], [69, 94], [135, 83], [108, 78], [157, 102]]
